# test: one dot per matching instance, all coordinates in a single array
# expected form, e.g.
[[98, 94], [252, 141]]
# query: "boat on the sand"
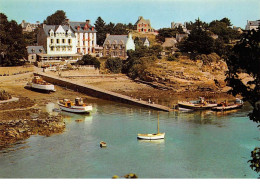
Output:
[[39, 84]]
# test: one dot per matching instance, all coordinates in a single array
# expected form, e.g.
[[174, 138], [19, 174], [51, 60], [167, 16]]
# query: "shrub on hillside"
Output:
[[89, 60], [115, 65], [207, 59]]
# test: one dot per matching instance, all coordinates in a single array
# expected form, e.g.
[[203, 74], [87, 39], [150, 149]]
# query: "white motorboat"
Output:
[[39, 84], [200, 104], [75, 107]]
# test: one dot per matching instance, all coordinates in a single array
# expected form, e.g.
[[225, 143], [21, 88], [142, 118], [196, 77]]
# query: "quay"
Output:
[[99, 93]]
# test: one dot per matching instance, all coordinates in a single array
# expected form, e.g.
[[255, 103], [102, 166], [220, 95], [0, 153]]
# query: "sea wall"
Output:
[[99, 93]]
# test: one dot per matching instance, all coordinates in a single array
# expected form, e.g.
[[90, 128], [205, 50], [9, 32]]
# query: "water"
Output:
[[197, 145]]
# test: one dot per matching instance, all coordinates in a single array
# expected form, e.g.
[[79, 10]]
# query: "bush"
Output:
[[177, 54], [171, 58], [89, 60], [207, 59], [115, 65]]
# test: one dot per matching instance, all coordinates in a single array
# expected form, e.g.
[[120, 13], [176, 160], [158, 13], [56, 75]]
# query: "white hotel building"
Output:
[[66, 42]]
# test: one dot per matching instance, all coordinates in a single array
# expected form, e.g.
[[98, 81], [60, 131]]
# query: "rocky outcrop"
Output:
[[13, 130]]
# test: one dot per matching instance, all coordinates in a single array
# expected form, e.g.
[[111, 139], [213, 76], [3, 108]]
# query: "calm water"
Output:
[[197, 145]]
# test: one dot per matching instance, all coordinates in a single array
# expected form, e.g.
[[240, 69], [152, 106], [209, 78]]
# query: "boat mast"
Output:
[[158, 122]]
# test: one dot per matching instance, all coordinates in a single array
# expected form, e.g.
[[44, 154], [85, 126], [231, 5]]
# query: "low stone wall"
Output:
[[8, 71], [100, 93]]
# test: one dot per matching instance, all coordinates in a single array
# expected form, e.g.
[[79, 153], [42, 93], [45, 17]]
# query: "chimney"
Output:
[[140, 17], [78, 28], [67, 21], [107, 34], [87, 21], [43, 25]]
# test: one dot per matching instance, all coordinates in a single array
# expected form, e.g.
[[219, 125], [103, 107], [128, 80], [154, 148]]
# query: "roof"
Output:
[[74, 26], [116, 39], [47, 29], [145, 20], [35, 49], [169, 42], [58, 55], [254, 23], [143, 39]]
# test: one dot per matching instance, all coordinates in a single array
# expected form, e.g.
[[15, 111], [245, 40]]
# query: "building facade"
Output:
[[86, 36], [143, 25], [59, 42], [145, 41], [29, 27], [252, 25], [117, 45], [33, 51]]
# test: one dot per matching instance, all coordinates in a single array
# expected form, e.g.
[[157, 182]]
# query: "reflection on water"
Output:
[[199, 144]]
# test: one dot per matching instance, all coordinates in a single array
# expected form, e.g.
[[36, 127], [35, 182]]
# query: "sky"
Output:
[[160, 12]]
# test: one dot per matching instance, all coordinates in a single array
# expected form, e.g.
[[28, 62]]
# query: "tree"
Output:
[[223, 30], [245, 58], [56, 19], [89, 60], [199, 41], [114, 65], [167, 33], [100, 27], [13, 49]]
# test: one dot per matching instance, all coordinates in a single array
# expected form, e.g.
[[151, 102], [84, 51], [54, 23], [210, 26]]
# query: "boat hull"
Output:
[[77, 109], [227, 108], [151, 136], [44, 88], [192, 106]]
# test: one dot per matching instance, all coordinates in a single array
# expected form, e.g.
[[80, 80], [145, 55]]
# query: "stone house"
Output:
[[117, 45], [29, 27], [180, 36], [33, 51], [252, 25], [143, 25], [169, 46]]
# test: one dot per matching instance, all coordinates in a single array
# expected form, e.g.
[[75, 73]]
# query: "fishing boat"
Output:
[[39, 84], [75, 107], [156, 136], [200, 104], [224, 106]]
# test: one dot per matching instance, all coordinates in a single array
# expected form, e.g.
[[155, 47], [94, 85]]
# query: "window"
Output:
[[63, 48], [107, 53], [69, 48], [32, 57], [51, 41], [107, 47], [52, 48], [69, 41], [58, 41], [58, 49]]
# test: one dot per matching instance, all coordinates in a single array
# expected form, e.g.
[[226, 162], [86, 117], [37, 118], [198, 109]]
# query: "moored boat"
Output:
[[75, 107], [156, 136], [39, 84], [200, 104], [225, 107]]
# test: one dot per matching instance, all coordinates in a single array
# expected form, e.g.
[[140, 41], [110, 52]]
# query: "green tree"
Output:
[[199, 41], [100, 27], [114, 65], [223, 30], [56, 19], [167, 33], [89, 60], [245, 57], [13, 49]]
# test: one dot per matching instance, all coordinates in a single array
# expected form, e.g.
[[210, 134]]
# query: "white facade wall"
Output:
[[85, 42], [58, 43], [130, 43]]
